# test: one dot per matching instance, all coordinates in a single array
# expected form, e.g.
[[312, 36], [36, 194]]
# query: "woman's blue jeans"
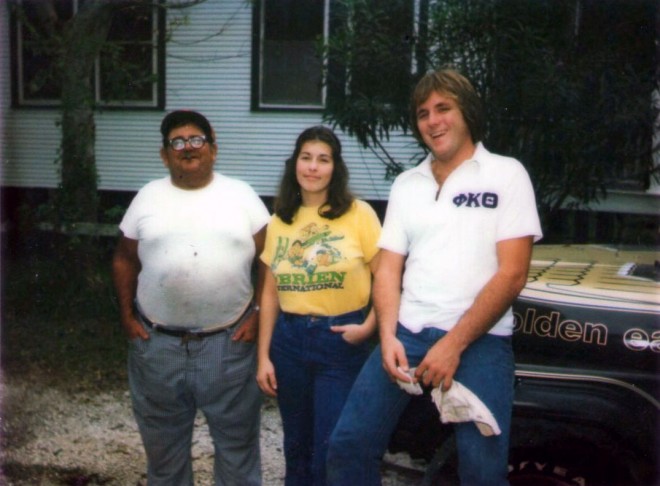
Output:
[[315, 369], [375, 404]]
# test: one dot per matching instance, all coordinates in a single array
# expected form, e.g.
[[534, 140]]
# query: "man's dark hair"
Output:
[[453, 84], [339, 197], [181, 118]]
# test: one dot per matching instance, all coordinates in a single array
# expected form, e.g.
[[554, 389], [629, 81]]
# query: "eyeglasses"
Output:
[[179, 143]]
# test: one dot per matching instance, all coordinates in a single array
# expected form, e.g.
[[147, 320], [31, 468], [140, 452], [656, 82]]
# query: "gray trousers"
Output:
[[170, 380]]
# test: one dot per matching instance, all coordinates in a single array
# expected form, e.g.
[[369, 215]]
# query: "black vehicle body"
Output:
[[586, 407]]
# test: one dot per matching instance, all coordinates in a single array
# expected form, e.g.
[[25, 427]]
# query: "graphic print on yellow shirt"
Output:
[[321, 265], [313, 250]]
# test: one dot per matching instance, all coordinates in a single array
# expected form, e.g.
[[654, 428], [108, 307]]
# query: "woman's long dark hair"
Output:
[[339, 197]]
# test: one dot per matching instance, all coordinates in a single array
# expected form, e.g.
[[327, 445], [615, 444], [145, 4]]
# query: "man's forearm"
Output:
[[498, 294], [387, 292], [488, 307], [125, 281], [387, 310]]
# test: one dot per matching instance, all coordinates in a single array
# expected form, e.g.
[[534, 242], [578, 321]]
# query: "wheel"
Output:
[[562, 466]]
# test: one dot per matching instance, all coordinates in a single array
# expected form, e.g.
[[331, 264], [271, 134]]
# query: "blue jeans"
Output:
[[315, 370], [375, 404]]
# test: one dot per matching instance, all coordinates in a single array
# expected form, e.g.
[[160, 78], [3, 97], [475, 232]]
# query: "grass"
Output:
[[59, 320]]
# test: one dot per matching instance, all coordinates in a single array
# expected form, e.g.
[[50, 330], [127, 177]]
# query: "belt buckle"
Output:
[[190, 336]]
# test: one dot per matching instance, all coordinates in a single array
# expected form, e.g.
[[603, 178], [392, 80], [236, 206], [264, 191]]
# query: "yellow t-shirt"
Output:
[[321, 265]]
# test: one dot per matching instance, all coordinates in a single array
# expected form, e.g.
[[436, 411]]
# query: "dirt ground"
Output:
[[56, 437]]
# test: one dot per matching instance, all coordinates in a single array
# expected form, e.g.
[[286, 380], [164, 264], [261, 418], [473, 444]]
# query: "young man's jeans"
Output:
[[375, 404], [315, 369]]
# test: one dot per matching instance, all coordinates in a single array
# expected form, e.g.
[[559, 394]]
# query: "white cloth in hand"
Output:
[[459, 404], [410, 387]]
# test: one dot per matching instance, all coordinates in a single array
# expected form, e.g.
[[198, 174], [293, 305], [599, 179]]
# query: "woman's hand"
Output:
[[266, 377], [353, 333]]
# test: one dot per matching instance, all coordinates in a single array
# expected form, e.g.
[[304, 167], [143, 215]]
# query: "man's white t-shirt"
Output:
[[196, 248]]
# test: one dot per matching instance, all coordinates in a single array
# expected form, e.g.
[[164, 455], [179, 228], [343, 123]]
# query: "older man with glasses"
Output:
[[182, 272]]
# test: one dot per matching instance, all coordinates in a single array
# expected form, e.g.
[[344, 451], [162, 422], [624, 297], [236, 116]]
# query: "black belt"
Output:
[[187, 335]]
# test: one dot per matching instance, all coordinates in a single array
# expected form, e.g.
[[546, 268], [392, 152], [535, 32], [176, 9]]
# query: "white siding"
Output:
[[206, 72], [208, 68]]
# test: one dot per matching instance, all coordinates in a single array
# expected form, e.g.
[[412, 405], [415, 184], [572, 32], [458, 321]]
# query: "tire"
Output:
[[561, 466]]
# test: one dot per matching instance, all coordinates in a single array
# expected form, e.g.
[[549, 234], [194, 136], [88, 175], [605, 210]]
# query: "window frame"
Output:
[[258, 19], [157, 101]]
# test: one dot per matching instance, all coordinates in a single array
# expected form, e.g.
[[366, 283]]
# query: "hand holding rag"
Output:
[[458, 404]]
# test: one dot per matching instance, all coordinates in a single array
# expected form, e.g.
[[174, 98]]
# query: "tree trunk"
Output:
[[78, 194]]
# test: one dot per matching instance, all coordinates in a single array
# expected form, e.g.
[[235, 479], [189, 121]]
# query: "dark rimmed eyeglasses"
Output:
[[179, 143]]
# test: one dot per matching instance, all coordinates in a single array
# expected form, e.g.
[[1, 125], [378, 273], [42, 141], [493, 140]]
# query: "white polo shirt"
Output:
[[450, 242]]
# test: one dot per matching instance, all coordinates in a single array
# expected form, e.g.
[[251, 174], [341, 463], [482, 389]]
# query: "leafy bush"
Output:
[[59, 313], [567, 85]]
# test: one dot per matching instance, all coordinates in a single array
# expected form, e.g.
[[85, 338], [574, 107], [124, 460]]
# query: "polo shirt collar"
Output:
[[480, 153], [424, 168]]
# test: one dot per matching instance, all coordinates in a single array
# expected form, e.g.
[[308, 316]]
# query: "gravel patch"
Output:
[[56, 437]]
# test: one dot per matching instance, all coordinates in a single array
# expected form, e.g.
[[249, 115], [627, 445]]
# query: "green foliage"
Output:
[[59, 316], [114, 214], [67, 46], [568, 101], [369, 71], [568, 97], [60, 276]]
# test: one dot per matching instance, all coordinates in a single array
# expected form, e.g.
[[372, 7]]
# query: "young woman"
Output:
[[320, 252]]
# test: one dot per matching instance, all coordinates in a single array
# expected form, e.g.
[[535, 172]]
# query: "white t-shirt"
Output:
[[196, 248], [450, 242]]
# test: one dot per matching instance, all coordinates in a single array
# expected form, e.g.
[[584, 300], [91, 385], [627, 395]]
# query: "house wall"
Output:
[[4, 85], [208, 69]]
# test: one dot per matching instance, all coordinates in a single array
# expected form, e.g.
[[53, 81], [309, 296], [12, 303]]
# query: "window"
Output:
[[129, 71], [308, 54], [288, 61]]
